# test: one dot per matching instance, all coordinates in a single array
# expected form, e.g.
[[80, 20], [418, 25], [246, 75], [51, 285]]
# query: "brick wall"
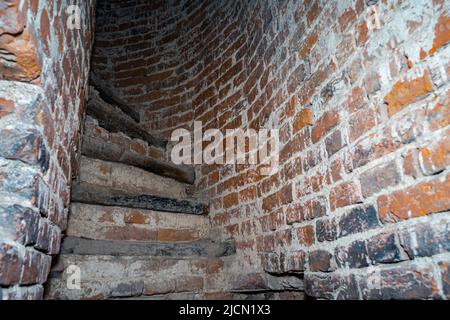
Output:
[[43, 78], [359, 92]]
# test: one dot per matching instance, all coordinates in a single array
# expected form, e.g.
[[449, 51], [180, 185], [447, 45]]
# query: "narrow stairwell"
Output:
[[136, 227]]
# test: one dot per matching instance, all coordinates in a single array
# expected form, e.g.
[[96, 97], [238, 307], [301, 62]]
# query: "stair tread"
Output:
[[100, 147], [114, 119]]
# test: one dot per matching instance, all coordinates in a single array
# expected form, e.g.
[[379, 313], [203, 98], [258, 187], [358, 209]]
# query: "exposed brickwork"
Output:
[[362, 110], [43, 75], [358, 89]]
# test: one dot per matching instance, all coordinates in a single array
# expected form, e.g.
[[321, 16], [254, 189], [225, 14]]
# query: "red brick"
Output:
[[230, 200], [305, 235], [406, 92], [329, 120], [303, 119], [441, 33], [415, 201], [344, 194], [281, 197], [361, 122], [12, 17], [435, 158]]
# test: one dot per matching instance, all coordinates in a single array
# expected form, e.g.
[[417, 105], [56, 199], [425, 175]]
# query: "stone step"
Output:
[[120, 223], [181, 250], [106, 276], [99, 195], [113, 119], [129, 179], [115, 149]]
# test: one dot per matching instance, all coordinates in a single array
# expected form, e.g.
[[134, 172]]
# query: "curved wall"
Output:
[[358, 89]]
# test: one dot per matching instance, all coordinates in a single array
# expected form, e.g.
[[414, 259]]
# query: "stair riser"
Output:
[[202, 248], [117, 223], [130, 179], [108, 277], [97, 138], [100, 195]]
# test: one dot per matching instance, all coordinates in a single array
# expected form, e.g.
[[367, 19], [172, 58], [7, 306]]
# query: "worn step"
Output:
[[199, 248], [96, 148], [129, 179], [108, 94], [99, 195], [113, 119], [106, 276], [120, 223]]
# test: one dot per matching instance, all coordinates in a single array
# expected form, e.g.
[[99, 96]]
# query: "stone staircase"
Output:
[[136, 227]]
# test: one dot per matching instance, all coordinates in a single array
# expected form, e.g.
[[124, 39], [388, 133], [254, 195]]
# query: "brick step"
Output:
[[113, 119], [106, 276], [100, 195], [120, 223], [166, 296], [101, 144], [181, 250], [129, 179]]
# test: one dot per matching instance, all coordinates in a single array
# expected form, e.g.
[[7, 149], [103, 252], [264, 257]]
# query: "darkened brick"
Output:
[[353, 256], [294, 261], [19, 224], [385, 248], [331, 286], [357, 220], [376, 179], [10, 265], [36, 267], [321, 260], [445, 277], [427, 239], [326, 230], [23, 145], [404, 281], [334, 143]]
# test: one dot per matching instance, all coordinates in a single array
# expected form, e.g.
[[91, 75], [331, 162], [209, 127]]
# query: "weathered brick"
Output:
[[435, 158], [331, 286], [305, 235], [19, 224], [10, 264], [385, 248], [344, 194], [326, 230], [378, 178], [352, 256], [26, 146], [281, 197], [334, 142], [321, 260], [302, 119], [324, 124], [426, 239], [408, 91], [415, 201], [22, 49], [441, 33], [358, 219], [445, 276], [404, 281]]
